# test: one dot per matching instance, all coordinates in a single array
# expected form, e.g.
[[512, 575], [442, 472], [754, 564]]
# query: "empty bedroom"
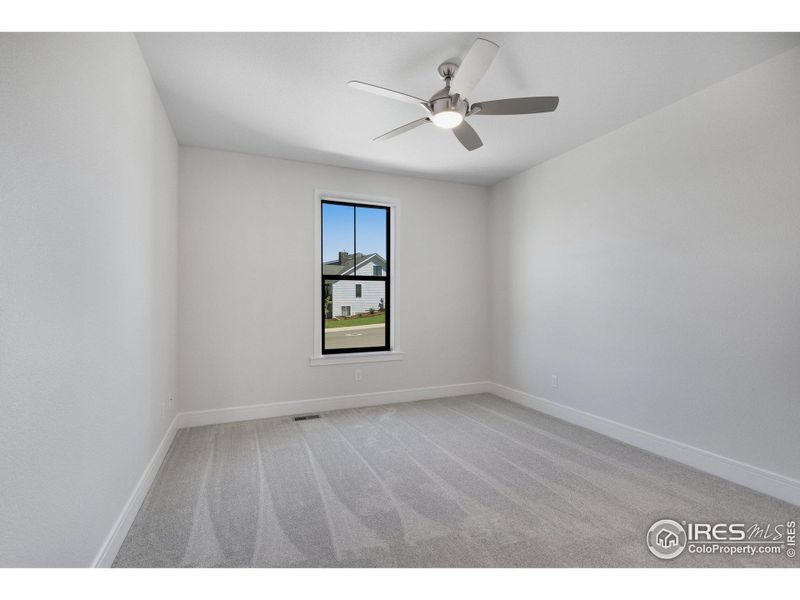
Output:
[[394, 305]]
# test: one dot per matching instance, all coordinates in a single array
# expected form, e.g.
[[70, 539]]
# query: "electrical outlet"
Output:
[[359, 375], [171, 402], [554, 381]]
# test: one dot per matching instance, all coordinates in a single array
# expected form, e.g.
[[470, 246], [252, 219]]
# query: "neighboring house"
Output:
[[350, 298]]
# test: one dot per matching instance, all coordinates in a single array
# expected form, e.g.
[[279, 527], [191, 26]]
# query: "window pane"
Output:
[[351, 321], [371, 240], [337, 239]]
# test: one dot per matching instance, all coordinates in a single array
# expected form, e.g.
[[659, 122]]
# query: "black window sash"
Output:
[[331, 278]]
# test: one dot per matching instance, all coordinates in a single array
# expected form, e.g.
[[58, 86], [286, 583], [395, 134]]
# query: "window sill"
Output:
[[354, 358]]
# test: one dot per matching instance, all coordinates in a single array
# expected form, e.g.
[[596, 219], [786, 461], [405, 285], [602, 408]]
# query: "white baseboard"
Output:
[[761, 480], [299, 407], [114, 540]]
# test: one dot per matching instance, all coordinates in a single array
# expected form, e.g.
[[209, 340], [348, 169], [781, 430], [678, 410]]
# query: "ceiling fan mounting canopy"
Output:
[[447, 70], [449, 107]]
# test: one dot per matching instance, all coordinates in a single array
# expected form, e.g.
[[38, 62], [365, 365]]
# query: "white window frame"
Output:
[[317, 358]]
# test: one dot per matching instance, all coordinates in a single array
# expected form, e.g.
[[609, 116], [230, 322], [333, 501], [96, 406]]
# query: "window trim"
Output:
[[386, 279], [380, 355]]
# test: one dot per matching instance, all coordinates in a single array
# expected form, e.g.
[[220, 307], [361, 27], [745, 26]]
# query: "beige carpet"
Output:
[[473, 481]]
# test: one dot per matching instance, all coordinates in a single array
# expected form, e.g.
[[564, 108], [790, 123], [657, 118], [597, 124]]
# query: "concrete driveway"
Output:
[[362, 336]]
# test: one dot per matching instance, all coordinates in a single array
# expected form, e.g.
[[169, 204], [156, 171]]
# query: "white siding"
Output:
[[366, 269], [344, 293]]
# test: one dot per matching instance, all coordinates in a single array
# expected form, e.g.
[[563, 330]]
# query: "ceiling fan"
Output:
[[449, 107]]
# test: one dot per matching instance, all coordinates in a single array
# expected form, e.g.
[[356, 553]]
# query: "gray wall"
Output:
[[656, 271], [246, 285], [88, 224]]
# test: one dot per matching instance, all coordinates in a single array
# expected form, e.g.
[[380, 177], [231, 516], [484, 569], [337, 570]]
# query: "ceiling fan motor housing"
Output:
[[449, 103], [442, 100]]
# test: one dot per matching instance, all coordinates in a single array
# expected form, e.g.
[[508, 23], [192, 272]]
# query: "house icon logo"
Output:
[[666, 539]]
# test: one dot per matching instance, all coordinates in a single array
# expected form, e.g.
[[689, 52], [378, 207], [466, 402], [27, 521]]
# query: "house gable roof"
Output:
[[334, 267]]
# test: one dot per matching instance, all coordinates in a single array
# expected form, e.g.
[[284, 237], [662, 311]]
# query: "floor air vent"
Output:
[[306, 417]]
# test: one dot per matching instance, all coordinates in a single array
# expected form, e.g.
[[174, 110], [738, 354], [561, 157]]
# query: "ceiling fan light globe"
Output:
[[447, 119]]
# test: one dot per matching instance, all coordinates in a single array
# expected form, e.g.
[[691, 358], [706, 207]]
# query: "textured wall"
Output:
[[656, 271], [88, 209], [246, 290]]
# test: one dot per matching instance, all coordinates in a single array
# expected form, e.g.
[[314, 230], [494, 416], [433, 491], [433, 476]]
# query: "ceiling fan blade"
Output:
[[516, 106], [402, 129], [386, 92], [467, 136], [473, 67]]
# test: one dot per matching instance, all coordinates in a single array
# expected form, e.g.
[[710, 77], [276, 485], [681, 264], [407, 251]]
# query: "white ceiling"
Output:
[[285, 95]]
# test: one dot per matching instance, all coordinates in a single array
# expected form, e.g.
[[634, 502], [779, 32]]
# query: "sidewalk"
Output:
[[355, 327]]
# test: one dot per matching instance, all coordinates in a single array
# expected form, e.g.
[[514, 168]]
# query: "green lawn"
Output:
[[368, 320]]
